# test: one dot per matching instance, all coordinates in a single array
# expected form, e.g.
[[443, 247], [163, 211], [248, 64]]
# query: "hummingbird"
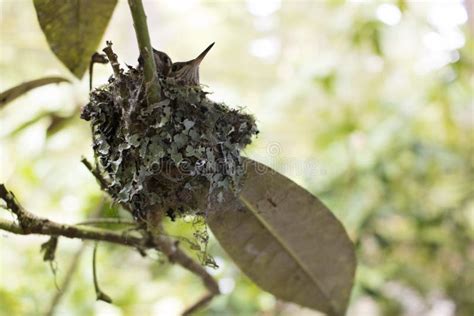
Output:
[[187, 72], [163, 63]]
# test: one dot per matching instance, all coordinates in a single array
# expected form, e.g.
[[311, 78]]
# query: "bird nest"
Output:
[[176, 156]]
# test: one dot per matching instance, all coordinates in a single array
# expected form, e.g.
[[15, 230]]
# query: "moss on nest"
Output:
[[176, 156]]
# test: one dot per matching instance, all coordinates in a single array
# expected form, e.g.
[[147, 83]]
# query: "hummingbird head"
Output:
[[187, 72], [163, 62]]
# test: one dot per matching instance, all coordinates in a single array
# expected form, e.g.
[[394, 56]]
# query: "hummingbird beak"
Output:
[[198, 59]]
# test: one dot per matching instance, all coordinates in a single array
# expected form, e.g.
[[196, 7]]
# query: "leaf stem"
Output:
[[101, 296], [143, 38]]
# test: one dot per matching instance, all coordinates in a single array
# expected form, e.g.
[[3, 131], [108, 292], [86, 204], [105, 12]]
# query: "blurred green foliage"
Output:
[[368, 105]]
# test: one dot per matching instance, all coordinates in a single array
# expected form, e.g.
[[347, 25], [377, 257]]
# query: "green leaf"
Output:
[[287, 241], [74, 28], [13, 93]]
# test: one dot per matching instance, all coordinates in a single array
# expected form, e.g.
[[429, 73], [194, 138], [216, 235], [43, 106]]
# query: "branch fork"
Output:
[[28, 223]]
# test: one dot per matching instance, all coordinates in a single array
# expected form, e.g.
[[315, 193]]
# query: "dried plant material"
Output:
[[173, 157]]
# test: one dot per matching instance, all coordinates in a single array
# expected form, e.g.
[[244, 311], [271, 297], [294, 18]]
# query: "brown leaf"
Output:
[[287, 241]]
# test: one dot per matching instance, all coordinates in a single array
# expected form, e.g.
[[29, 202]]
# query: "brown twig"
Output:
[[29, 223], [113, 59], [96, 173], [175, 255], [95, 59], [71, 268], [42, 226], [106, 221], [102, 181], [101, 296], [200, 304]]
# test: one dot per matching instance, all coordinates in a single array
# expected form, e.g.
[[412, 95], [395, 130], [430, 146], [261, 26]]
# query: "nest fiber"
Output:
[[175, 156]]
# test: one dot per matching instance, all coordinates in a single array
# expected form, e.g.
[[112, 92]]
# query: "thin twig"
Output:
[[11, 227], [175, 255], [96, 173], [101, 296], [102, 181], [106, 221], [200, 304], [43, 226], [67, 280], [143, 38], [95, 59], [113, 59], [71, 268], [31, 224]]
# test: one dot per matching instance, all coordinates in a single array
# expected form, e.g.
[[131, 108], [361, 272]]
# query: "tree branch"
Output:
[[106, 221], [29, 223], [11, 227], [42, 226], [170, 248], [141, 30]]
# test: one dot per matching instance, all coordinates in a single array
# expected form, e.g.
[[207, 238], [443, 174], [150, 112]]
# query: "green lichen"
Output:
[[176, 156]]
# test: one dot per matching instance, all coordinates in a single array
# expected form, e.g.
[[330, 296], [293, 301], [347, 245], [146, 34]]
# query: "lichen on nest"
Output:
[[176, 156]]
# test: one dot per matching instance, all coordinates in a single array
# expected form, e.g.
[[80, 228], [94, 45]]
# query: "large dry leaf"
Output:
[[13, 93], [287, 241], [74, 29]]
